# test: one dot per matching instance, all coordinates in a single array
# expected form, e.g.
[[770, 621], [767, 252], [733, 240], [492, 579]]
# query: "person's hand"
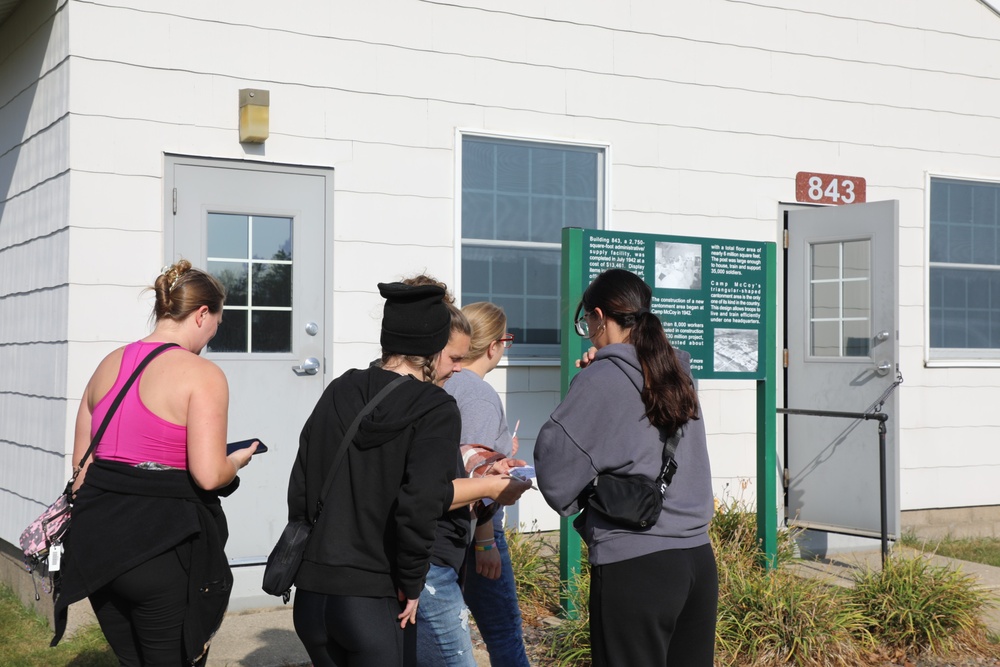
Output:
[[409, 612], [488, 563], [509, 489], [504, 466], [587, 357], [513, 445], [241, 457]]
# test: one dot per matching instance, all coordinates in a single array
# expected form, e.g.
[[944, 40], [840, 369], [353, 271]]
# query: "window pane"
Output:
[[228, 235], [272, 285], [825, 261], [232, 333], [856, 339], [512, 218], [984, 206], [857, 259], [546, 219], [477, 216], [477, 165], [960, 243], [960, 203], [272, 331], [984, 246], [547, 172], [825, 300], [272, 238], [825, 339], [581, 175], [857, 303], [233, 276], [512, 169], [580, 213]]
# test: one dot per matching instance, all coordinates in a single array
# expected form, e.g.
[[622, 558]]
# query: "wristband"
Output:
[[486, 547]]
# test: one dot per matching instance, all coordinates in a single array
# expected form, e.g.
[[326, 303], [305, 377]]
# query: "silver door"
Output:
[[264, 232], [842, 344]]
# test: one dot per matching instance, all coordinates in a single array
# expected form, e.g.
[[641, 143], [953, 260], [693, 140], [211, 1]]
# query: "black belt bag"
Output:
[[633, 501]]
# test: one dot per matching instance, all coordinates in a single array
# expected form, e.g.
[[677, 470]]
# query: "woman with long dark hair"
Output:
[[653, 592]]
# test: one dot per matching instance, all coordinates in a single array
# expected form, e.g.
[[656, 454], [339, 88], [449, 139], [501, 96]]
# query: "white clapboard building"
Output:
[[322, 147]]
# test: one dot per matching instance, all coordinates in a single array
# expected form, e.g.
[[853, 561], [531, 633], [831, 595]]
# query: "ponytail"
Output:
[[668, 394]]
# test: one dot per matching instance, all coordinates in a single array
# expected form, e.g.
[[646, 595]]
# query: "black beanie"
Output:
[[415, 319]]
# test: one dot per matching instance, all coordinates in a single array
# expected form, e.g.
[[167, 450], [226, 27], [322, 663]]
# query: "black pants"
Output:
[[656, 610], [142, 612], [349, 631]]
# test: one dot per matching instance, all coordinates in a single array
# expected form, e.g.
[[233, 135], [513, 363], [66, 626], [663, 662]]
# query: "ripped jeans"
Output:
[[443, 638]]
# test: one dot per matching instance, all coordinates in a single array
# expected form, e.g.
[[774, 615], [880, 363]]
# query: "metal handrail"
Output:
[[882, 419]]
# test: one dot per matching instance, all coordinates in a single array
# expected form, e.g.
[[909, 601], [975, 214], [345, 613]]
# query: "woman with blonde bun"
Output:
[[148, 533]]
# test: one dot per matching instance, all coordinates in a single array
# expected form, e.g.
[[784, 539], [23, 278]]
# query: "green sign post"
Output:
[[716, 299]]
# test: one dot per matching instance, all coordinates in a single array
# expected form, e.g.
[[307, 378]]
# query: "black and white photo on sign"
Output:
[[677, 265], [736, 350]]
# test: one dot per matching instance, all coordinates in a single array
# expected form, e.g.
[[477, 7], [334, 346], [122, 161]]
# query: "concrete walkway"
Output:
[[267, 639]]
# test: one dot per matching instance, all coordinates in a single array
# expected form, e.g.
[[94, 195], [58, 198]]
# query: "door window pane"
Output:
[[252, 257], [964, 268], [840, 299], [516, 198]]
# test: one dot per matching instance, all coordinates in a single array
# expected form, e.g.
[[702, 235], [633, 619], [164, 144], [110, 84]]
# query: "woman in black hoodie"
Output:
[[364, 567]]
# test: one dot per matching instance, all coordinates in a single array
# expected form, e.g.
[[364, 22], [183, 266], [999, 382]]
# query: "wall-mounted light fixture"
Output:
[[254, 115]]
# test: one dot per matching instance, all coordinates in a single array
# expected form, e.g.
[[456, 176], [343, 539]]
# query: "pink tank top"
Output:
[[135, 434]]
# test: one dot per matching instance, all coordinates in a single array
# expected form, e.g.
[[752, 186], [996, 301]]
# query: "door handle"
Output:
[[308, 367], [881, 337], [883, 367]]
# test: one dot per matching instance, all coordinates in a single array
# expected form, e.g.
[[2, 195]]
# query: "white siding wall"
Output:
[[34, 254], [709, 109]]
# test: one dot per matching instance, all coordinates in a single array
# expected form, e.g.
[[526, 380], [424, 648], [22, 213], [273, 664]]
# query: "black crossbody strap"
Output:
[[349, 437], [669, 459], [117, 402]]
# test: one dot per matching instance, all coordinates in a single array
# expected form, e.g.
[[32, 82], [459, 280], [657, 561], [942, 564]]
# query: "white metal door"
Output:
[[842, 344], [263, 232]]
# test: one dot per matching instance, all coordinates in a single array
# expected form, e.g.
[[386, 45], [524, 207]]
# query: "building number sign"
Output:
[[829, 188]]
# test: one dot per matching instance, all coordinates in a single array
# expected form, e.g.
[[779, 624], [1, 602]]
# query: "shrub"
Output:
[[536, 570], [915, 606]]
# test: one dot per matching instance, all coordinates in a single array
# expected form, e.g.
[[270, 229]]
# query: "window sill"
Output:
[[530, 361], [962, 363]]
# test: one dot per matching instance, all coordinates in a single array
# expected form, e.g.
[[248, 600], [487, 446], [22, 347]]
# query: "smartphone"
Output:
[[233, 446]]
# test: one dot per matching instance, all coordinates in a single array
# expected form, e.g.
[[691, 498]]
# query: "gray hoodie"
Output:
[[601, 427]]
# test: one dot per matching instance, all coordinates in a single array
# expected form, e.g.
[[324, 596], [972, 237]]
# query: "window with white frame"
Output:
[[516, 198], [964, 269]]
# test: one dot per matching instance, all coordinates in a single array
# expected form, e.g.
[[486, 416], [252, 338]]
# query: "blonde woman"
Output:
[[489, 591]]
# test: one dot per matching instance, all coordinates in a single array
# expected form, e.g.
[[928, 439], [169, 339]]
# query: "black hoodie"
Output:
[[377, 527]]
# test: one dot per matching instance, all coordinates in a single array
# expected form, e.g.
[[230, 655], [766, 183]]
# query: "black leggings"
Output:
[[349, 631], [142, 612], [658, 609]]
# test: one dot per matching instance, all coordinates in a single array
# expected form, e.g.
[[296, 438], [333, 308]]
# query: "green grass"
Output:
[[25, 637], [977, 550]]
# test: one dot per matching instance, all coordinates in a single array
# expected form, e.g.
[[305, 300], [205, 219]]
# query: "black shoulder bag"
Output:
[[285, 559], [42, 540], [633, 501]]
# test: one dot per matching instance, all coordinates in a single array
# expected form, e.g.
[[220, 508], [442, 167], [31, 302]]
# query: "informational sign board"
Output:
[[709, 293]]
